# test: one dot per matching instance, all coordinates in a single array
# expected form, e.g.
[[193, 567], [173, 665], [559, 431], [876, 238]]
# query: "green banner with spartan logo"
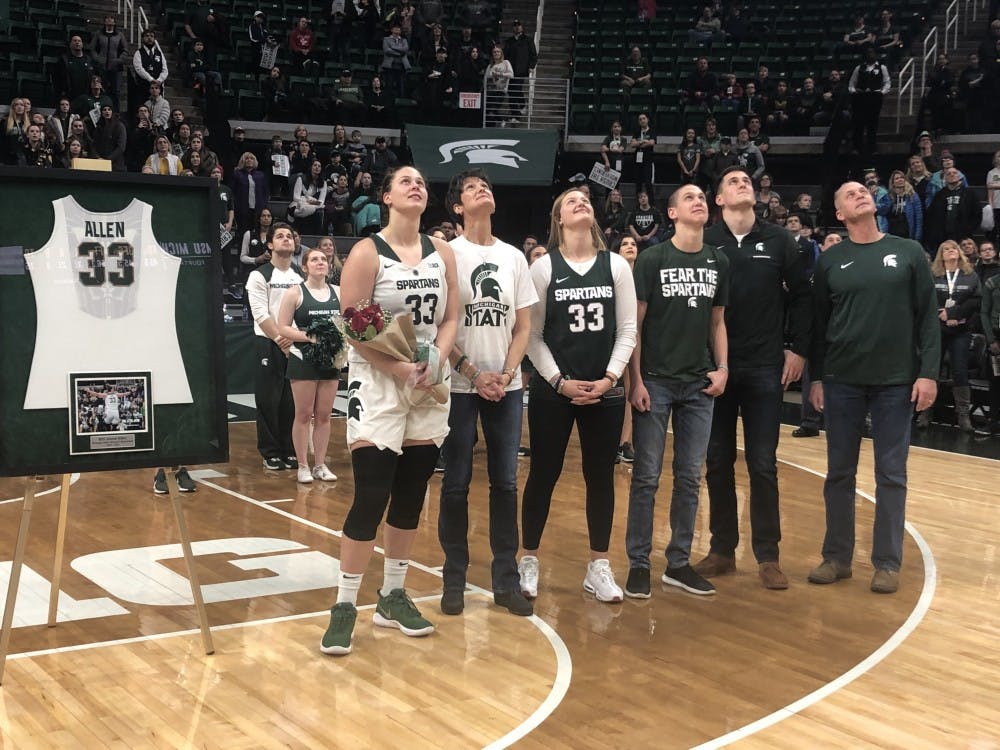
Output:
[[509, 157]]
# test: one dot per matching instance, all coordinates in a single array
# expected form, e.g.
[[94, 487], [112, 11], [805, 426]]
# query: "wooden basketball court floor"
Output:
[[813, 666]]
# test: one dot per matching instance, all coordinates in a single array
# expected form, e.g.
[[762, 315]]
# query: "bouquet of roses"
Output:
[[395, 336], [328, 351]]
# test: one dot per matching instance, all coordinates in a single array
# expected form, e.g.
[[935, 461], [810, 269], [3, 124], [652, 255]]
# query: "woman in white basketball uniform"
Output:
[[394, 431], [313, 389]]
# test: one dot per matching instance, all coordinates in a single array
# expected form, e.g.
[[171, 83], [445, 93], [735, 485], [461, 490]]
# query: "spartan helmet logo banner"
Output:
[[483, 151], [484, 282]]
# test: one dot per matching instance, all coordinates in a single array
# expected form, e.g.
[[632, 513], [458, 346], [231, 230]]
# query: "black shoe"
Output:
[[637, 585], [625, 453], [160, 483], [805, 432], [439, 466], [273, 463], [515, 603], [453, 601], [184, 481], [686, 578], [524, 451], [290, 462]]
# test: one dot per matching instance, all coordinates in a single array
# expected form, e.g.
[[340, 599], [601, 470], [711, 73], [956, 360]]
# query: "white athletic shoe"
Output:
[[600, 582], [323, 473], [304, 475], [528, 570]]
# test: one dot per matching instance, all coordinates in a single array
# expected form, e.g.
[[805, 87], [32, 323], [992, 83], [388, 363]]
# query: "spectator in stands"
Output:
[[707, 29], [203, 23], [925, 149], [987, 267], [972, 90], [334, 168], [193, 164], [301, 45], [250, 192], [689, 157], [208, 157], [750, 105], [162, 160], [338, 206], [803, 205], [720, 161], [110, 53], [380, 160], [499, 74], [520, 50], [340, 142], [35, 152], [381, 103], [182, 142], [110, 139], [176, 118], [395, 59], [402, 11], [886, 38], [78, 129], [642, 145], [918, 176], [338, 29], [858, 38], [735, 27], [807, 247], [253, 247], [993, 187], [438, 88], [905, 217], [954, 212], [636, 71], [75, 69], [937, 179], [868, 85], [278, 105], [141, 140], [429, 13], [448, 229], [300, 159], [701, 86], [148, 65], [356, 150], [939, 95], [969, 249], [614, 218], [435, 41], [477, 14], [730, 93], [989, 48], [89, 104], [990, 319], [365, 211], [645, 223], [62, 116], [765, 194], [73, 150], [369, 27], [613, 148], [780, 110], [202, 69], [159, 108], [348, 101], [766, 86], [263, 46], [748, 155], [959, 296], [805, 106], [306, 211], [835, 102]]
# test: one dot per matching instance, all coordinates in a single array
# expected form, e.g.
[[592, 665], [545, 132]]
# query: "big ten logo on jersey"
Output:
[[486, 309], [688, 282], [258, 566]]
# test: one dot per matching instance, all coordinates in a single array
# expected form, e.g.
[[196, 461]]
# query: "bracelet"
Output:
[[458, 365], [509, 372], [475, 375], [724, 368], [559, 384], [612, 378]]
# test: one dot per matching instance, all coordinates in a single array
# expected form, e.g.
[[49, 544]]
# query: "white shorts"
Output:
[[379, 412]]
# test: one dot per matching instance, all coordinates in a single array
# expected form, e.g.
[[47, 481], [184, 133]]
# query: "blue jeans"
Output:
[[956, 346], [845, 407], [502, 432], [692, 423], [755, 393], [811, 419]]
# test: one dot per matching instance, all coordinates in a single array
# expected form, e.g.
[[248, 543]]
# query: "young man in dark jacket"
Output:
[[110, 51]]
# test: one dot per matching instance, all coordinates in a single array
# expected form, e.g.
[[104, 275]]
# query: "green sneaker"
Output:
[[397, 610], [337, 638]]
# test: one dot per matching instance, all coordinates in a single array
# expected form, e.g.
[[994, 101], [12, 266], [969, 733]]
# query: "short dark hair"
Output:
[[728, 171], [457, 183], [275, 227]]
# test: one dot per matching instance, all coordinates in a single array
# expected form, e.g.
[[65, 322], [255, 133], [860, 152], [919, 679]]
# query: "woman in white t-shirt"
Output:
[[495, 298], [993, 184], [498, 76]]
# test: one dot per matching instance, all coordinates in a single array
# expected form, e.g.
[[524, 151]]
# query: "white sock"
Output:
[[395, 575], [348, 585]]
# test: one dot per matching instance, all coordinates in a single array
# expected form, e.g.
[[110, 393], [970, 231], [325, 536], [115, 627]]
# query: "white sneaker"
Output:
[[304, 475], [600, 582], [528, 570], [323, 473]]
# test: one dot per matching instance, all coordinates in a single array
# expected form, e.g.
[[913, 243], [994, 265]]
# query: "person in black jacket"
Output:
[[764, 261], [75, 69], [520, 51], [110, 51], [954, 212], [110, 139]]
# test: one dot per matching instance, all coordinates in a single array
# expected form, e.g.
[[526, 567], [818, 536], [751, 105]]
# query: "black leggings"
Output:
[[550, 424]]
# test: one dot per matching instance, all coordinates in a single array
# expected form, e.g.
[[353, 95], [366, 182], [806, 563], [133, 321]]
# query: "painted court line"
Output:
[[878, 655], [73, 479]]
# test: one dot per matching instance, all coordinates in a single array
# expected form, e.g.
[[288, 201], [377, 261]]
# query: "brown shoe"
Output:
[[772, 577], [885, 581], [715, 565], [829, 571]]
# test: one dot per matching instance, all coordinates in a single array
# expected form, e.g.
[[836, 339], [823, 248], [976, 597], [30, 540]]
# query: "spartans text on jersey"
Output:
[[585, 292], [688, 282]]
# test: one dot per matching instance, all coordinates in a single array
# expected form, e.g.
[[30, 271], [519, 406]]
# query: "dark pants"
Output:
[[550, 424], [756, 394], [517, 93], [502, 430], [273, 394], [845, 408], [811, 419], [956, 346], [866, 108]]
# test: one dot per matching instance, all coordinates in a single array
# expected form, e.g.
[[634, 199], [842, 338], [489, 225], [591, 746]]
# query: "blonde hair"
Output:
[[245, 159], [25, 120], [555, 227], [907, 187], [937, 266]]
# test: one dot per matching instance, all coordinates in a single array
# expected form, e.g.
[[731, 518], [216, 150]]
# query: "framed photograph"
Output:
[[110, 412]]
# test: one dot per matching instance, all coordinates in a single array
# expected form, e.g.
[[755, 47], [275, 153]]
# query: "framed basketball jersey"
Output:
[[109, 273]]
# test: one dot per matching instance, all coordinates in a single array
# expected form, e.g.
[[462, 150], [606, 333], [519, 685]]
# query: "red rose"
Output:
[[358, 323], [349, 312], [379, 323]]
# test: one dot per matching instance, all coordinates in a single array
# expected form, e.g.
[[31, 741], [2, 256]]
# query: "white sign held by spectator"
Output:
[[280, 164], [469, 100], [604, 176]]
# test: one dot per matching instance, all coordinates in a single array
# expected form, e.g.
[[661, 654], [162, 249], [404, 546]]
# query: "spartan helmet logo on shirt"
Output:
[[354, 405], [759, 247], [484, 283], [692, 302], [889, 261]]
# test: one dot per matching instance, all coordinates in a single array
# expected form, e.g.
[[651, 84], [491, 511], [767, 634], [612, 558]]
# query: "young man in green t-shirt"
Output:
[[679, 367], [876, 349]]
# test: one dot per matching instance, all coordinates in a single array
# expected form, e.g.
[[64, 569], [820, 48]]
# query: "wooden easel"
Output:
[[22, 541]]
